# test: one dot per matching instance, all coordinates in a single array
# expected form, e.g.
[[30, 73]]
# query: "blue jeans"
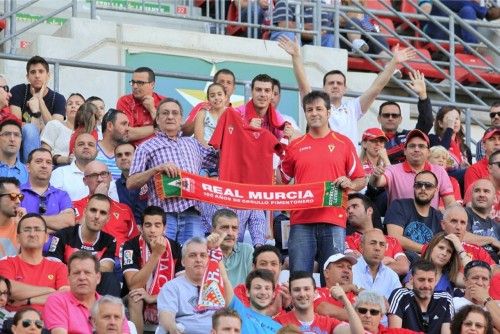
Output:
[[31, 140], [310, 241], [183, 225], [326, 39]]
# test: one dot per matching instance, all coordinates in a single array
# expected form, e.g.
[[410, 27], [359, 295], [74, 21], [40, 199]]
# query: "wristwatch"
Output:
[[487, 300]]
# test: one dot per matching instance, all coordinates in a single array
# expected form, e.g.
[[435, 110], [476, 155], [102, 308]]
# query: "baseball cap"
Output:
[[373, 133], [490, 132], [337, 257], [10, 118], [417, 133]]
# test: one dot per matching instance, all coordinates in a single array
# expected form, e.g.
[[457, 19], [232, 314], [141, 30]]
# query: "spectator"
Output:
[[85, 122], [284, 16], [479, 170], [495, 121], [236, 255], [224, 77], [32, 276], [398, 179], [176, 153], [289, 329], [35, 103], [373, 152], [148, 261], [482, 230], [344, 114], [359, 211], [371, 308], [258, 12], [389, 117], [121, 223], [455, 223], [225, 321], [70, 178], [141, 106], [413, 221], [472, 318], [69, 311], [370, 273], [178, 298], [206, 120], [5, 96], [114, 131], [10, 211], [101, 110], [303, 290], [27, 320], [107, 315], [252, 220], [494, 171], [320, 155], [421, 309], [4, 299], [337, 270], [477, 283], [88, 236], [41, 197], [136, 199], [268, 257], [441, 157], [56, 134], [10, 143]]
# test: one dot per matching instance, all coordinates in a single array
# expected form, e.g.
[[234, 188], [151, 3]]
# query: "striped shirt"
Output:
[[185, 152], [284, 11], [109, 162]]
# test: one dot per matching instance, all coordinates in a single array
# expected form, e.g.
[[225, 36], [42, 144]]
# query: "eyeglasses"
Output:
[[494, 114], [495, 163], [389, 115], [42, 206], [14, 196], [27, 322], [138, 82], [5, 88], [96, 175], [414, 146], [30, 229], [363, 310], [423, 184]]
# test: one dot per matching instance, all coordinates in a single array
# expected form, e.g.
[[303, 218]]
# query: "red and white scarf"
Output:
[[212, 289]]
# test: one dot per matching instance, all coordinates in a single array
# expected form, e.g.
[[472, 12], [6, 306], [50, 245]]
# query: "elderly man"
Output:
[[398, 179], [168, 152], [140, 106], [107, 315], [69, 311]]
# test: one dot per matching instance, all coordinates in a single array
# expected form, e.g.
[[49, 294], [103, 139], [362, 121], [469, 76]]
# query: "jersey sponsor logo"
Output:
[[127, 257], [305, 148], [331, 147], [53, 244]]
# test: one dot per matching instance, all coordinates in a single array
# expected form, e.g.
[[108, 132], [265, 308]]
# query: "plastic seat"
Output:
[[490, 76], [390, 25], [360, 64], [427, 69]]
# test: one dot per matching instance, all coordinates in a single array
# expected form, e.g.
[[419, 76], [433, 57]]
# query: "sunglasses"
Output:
[[363, 310], [423, 184], [42, 207], [389, 115], [27, 322], [7, 89], [425, 322], [492, 114], [14, 196]]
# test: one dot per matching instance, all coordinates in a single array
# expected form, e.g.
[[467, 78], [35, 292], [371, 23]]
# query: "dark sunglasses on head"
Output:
[[389, 115], [494, 114], [14, 196], [27, 322], [363, 310], [5, 88], [423, 184]]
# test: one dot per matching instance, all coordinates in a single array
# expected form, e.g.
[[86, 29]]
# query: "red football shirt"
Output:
[[393, 250], [309, 159], [246, 153], [121, 223], [320, 324], [324, 295], [477, 171], [475, 252]]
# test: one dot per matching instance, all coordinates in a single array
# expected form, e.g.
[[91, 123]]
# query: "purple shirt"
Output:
[[53, 200], [185, 152]]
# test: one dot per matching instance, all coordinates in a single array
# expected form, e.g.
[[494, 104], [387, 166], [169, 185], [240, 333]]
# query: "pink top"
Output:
[[63, 310], [400, 179]]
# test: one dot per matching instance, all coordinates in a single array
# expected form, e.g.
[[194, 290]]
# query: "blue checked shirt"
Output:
[[185, 152]]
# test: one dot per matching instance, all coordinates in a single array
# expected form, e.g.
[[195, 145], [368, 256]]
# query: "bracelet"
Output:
[[289, 308], [28, 301]]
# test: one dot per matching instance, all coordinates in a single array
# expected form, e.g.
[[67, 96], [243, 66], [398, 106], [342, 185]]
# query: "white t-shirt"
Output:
[[344, 119], [57, 135]]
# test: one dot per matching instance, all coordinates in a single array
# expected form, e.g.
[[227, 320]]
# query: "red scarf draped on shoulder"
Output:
[[273, 121]]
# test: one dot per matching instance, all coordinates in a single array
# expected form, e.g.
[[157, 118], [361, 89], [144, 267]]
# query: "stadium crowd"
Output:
[[87, 241]]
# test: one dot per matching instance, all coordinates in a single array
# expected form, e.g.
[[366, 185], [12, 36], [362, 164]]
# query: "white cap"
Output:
[[339, 256]]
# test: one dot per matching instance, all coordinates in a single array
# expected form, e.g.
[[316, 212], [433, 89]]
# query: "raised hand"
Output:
[[290, 47], [403, 55], [417, 83]]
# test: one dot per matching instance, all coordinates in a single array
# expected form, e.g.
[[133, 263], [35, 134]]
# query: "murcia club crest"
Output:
[[331, 147], [230, 129]]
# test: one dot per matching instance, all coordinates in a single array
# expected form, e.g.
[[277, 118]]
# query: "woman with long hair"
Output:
[[85, 122]]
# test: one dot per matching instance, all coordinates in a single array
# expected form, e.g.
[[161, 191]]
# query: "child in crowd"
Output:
[[206, 120]]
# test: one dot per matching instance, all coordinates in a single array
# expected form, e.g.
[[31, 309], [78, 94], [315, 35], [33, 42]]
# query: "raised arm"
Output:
[[293, 49], [425, 118], [356, 327]]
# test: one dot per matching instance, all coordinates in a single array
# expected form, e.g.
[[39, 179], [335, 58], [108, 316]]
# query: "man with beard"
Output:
[[303, 290], [421, 309], [482, 229], [10, 208], [114, 131], [398, 178], [359, 211], [413, 221], [148, 261]]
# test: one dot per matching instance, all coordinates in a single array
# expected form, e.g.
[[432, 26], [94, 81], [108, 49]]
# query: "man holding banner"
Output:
[[319, 155]]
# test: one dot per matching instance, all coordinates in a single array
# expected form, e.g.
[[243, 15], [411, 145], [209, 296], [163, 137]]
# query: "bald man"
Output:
[[369, 272]]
